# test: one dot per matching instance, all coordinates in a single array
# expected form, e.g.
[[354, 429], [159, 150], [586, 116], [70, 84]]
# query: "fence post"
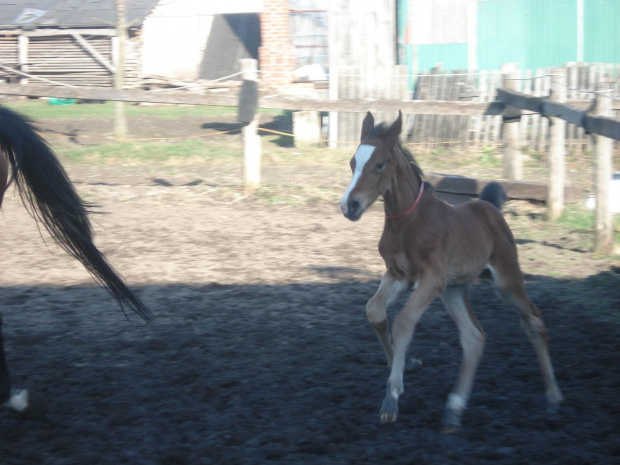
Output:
[[555, 178], [603, 227], [251, 139], [333, 115], [22, 56], [512, 163], [120, 118]]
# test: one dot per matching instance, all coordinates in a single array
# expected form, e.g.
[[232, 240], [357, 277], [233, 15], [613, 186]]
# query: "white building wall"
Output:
[[438, 21], [175, 34]]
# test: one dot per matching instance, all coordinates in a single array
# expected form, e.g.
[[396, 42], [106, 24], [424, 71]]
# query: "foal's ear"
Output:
[[367, 125], [392, 134]]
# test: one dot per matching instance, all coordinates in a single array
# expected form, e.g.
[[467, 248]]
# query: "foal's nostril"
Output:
[[353, 205]]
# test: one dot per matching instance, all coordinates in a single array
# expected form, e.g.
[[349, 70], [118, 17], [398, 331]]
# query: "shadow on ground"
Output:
[[294, 374]]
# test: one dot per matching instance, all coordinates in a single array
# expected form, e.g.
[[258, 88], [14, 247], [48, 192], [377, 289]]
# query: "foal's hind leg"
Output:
[[472, 341], [509, 285], [389, 290]]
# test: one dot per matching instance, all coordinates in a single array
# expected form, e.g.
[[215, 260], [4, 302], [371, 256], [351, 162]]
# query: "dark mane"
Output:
[[379, 131]]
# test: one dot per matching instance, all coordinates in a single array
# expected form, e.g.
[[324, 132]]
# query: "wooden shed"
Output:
[[71, 43]]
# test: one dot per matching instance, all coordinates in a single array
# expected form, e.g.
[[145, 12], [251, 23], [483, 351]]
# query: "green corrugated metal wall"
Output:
[[451, 56], [532, 33], [601, 31]]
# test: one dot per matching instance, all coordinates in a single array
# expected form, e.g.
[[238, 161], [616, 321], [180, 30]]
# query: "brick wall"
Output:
[[276, 55]]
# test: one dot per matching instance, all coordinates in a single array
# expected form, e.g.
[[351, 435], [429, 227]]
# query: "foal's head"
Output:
[[373, 166]]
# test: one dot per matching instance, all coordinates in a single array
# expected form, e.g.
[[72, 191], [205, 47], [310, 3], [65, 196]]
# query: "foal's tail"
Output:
[[51, 199], [495, 194]]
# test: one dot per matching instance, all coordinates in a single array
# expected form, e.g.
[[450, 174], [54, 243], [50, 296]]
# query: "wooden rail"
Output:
[[577, 112], [360, 105], [418, 107], [599, 124]]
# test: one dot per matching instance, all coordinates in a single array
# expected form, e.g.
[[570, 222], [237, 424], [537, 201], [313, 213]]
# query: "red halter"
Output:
[[411, 208]]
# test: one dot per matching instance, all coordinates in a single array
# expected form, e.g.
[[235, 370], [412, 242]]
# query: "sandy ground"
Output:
[[260, 351]]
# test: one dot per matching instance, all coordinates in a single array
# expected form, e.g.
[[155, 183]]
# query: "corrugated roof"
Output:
[[69, 13]]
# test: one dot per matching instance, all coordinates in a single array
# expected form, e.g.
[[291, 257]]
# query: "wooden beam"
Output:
[[556, 165], [418, 107], [120, 119], [512, 159], [517, 190], [265, 101], [22, 53], [93, 51], [574, 112], [603, 224], [252, 148], [106, 32]]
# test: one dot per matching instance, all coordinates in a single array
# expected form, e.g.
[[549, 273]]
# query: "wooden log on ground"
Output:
[[516, 190]]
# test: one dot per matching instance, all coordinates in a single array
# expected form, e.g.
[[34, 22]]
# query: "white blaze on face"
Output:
[[363, 154]]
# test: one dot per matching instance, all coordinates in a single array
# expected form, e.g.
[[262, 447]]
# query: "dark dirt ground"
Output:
[[260, 351]]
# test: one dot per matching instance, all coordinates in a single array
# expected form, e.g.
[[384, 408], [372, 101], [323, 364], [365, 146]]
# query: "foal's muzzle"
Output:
[[352, 210]]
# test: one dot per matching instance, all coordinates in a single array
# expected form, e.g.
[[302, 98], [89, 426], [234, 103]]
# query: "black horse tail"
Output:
[[49, 196], [495, 194]]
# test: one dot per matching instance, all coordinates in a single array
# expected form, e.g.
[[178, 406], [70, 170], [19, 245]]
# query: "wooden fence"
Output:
[[600, 124], [353, 82], [607, 127], [581, 82]]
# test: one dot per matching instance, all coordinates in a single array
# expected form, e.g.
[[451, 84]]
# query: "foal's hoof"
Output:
[[451, 422], [27, 403], [413, 365], [389, 410], [553, 417]]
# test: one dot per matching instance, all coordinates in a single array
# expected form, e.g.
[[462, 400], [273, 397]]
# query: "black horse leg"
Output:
[[5, 380], [23, 401]]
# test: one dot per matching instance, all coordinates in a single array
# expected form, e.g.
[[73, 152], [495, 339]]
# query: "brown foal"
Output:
[[437, 249]]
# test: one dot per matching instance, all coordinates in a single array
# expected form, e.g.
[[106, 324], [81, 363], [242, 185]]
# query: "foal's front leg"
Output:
[[389, 290], [402, 333]]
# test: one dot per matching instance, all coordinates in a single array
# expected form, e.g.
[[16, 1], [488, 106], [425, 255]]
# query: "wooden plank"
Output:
[[358, 105], [485, 96], [496, 122], [538, 142], [481, 82], [23, 57], [556, 173], [546, 127], [605, 126], [516, 190], [252, 149], [603, 224], [512, 163], [106, 32], [525, 121], [94, 52], [573, 131]]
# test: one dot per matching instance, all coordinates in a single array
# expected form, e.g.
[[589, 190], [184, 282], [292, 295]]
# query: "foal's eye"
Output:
[[379, 167]]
